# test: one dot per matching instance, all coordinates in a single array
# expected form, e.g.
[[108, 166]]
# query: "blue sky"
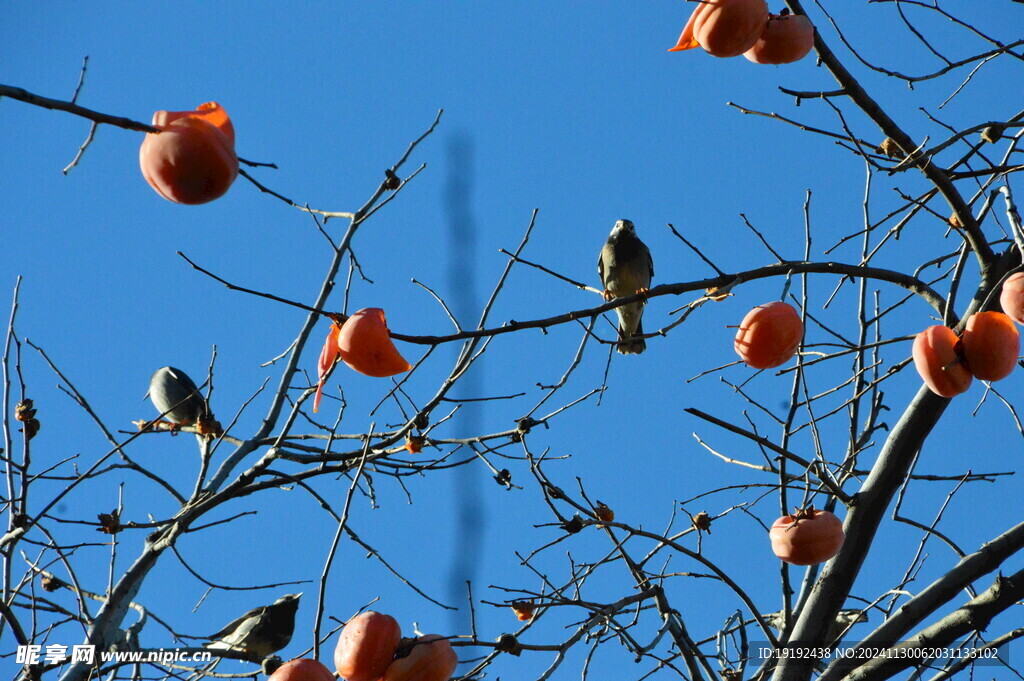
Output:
[[574, 109]]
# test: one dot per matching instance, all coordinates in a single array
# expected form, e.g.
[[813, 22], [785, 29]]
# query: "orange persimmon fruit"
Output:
[[724, 28], [192, 159], [807, 537], [366, 646], [938, 362], [991, 345], [365, 345], [1011, 299], [769, 335], [211, 112], [328, 357], [788, 38], [302, 669], [431, 658]]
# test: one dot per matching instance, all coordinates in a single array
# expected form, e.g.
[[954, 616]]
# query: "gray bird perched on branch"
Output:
[[173, 392], [626, 268], [261, 631]]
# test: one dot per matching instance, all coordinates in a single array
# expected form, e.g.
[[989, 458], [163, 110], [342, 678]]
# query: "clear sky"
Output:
[[573, 109]]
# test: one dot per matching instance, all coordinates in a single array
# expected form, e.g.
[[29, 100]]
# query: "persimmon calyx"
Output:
[[805, 513]]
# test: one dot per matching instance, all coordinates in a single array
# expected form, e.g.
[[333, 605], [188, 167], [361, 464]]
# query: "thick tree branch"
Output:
[[974, 615], [862, 521], [937, 176], [983, 561]]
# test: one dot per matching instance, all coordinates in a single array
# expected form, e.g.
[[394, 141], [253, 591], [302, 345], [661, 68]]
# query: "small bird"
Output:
[[262, 631], [626, 268], [173, 392]]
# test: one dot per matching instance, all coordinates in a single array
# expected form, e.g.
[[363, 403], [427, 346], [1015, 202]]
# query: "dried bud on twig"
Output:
[[26, 414], [574, 525], [50, 583], [716, 293], [508, 643], [271, 664], [524, 610], [525, 424], [414, 443], [208, 426], [32, 428], [110, 523], [993, 133], [890, 149], [702, 522], [24, 411]]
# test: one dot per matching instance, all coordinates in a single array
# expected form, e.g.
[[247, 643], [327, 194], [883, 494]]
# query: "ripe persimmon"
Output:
[[807, 537], [788, 38], [991, 345], [211, 112], [328, 358], [192, 159], [724, 28], [769, 335], [366, 646], [365, 345], [936, 359], [430, 658], [302, 669], [1011, 299]]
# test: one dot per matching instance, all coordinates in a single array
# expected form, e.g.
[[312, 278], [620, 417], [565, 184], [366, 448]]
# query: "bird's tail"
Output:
[[631, 346]]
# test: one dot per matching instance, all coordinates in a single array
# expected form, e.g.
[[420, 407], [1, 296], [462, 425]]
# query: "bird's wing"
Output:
[[184, 381], [650, 260], [234, 624], [600, 263]]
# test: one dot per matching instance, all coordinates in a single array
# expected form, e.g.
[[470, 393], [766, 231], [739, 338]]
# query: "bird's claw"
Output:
[[607, 295], [643, 292], [160, 424]]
